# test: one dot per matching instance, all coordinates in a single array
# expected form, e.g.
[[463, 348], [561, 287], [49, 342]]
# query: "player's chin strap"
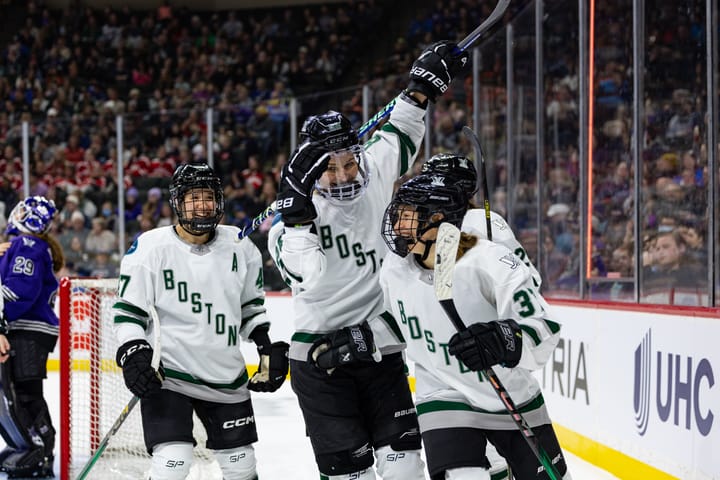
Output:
[[427, 243]]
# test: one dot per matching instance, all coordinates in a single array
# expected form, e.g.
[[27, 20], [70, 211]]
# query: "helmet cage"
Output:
[[32, 215], [191, 177], [334, 186], [412, 210]]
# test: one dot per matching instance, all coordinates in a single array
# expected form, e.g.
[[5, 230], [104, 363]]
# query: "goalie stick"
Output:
[[154, 363], [446, 246], [492, 19], [479, 157]]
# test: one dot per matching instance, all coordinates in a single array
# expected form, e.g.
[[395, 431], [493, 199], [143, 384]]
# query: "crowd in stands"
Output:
[[70, 73]]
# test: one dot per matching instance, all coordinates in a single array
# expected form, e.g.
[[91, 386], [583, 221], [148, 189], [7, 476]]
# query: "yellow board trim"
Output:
[[609, 459]]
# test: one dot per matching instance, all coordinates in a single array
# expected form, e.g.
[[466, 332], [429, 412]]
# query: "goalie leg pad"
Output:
[[237, 463], [399, 465], [171, 461], [28, 463]]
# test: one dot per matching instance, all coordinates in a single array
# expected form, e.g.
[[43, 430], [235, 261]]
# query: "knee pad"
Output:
[[171, 461], [348, 461], [399, 465], [467, 473], [237, 463]]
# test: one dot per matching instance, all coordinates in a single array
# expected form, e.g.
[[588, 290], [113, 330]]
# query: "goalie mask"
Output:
[[457, 168], [421, 204], [31, 215], [196, 197], [346, 176]]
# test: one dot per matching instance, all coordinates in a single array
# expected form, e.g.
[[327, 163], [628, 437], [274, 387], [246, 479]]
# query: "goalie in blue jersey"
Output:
[[30, 325]]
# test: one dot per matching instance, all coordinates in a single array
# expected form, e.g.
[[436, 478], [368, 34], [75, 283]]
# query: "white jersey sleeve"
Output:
[[507, 284], [332, 266], [475, 223], [208, 298]]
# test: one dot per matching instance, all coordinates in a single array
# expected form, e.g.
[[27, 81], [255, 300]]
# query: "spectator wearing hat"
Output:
[[152, 206], [133, 208], [99, 238], [72, 205], [75, 227]]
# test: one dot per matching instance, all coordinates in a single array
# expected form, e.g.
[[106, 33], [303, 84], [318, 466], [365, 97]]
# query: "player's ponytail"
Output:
[[56, 251]]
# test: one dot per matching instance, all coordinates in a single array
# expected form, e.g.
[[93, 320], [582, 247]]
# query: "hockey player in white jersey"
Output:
[[345, 356], [207, 289], [462, 172], [458, 410]]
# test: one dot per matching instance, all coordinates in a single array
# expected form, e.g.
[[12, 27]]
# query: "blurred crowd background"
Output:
[[70, 73]]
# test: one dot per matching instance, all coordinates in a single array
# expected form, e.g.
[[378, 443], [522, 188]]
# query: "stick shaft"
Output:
[[496, 15]]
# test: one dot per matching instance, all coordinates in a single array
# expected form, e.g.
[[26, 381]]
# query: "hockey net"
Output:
[[93, 393]]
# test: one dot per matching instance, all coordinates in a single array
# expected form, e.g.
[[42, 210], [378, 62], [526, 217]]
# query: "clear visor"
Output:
[[346, 176]]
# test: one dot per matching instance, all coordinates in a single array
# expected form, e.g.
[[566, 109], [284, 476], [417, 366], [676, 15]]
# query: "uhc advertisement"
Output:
[[642, 383]]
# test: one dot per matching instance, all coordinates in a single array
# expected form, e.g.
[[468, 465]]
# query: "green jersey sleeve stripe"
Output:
[[186, 377], [392, 325], [254, 301], [553, 326], [303, 337], [531, 333], [407, 149], [126, 319], [245, 321], [132, 309]]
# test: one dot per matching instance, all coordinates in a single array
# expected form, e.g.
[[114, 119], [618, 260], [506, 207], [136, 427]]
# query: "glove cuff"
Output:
[[406, 95], [129, 348], [427, 90]]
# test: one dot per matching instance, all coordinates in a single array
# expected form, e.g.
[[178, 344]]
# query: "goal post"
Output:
[[93, 393]]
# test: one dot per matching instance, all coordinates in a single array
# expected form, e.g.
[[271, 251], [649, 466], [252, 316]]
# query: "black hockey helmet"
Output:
[[332, 129], [456, 167], [413, 209], [191, 176], [347, 173]]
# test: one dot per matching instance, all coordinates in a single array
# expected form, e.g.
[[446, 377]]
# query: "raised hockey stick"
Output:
[[446, 246], [155, 363], [479, 157], [494, 17]]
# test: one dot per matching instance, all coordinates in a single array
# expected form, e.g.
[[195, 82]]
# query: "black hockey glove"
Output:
[[435, 68], [294, 201], [134, 357], [273, 368], [342, 347], [483, 345]]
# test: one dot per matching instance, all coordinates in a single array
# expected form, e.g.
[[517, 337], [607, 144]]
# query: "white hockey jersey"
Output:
[[208, 298], [489, 283], [333, 266], [475, 223]]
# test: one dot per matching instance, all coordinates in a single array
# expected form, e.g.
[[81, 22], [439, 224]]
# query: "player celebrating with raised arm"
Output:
[[207, 289], [459, 411], [345, 357], [28, 269]]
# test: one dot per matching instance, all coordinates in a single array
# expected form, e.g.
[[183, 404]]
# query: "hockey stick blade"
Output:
[[479, 157], [446, 245]]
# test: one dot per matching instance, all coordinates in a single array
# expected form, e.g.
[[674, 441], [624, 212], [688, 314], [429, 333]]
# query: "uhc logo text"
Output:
[[680, 383]]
